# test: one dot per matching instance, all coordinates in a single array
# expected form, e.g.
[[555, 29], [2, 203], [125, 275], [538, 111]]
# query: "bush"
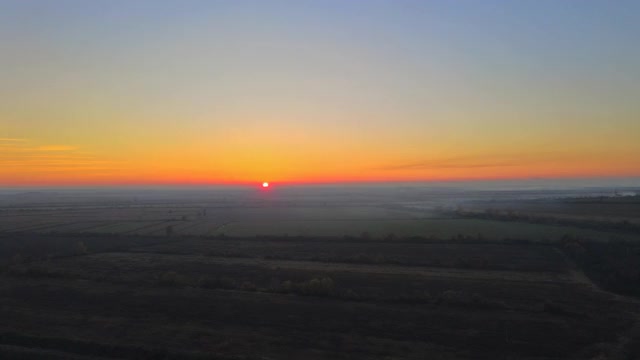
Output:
[[218, 283], [81, 248], [171, 278], [17, 259], [248, 286], [351, 295], [461, 298], [287, 287], [316, 286]]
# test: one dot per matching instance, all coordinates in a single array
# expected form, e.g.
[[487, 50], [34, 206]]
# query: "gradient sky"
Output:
[[121, 91]]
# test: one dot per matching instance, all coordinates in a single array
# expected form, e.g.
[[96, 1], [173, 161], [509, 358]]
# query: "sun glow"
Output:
[[265, 184]]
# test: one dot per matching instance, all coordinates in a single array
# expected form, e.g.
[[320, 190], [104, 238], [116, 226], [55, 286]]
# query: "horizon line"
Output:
[[310, 183]]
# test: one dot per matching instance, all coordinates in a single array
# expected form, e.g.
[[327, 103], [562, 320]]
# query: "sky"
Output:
[[299, 91]]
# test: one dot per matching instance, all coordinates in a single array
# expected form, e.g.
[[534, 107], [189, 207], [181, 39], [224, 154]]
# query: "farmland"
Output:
[[376, 222], [306, 296], [256, 278]]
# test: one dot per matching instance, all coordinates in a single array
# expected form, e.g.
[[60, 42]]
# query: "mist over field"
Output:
[[422, 194], [378, 210]]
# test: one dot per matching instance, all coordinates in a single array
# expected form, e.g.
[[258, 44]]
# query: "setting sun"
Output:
[[265, 184]]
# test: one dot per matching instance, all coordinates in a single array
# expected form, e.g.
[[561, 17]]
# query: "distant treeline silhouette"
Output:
[[510, 215]]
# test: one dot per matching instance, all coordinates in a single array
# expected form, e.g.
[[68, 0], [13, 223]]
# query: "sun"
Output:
[[265, 184]]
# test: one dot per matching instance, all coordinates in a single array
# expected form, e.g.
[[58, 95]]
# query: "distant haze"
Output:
[[429, 194]]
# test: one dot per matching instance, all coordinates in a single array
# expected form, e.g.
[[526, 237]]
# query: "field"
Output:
[[374, 222], [602, 209], [303, 297], [249, 279]]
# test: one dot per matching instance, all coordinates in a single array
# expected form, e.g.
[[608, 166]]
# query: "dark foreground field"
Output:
[[140, 297]]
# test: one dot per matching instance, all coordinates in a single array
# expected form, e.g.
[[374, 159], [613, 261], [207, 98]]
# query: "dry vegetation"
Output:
[[176, 282], [189, 297]]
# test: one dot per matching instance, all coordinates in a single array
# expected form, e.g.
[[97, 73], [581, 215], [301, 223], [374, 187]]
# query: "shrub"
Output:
[[287, 286], [217, 283], [462, 298], [171, 278], [17, 259], [248, 286], [81, 248], [317, 286], [351, 294]]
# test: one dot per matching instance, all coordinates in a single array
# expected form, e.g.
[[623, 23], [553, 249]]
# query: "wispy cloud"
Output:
[[448, 164], [474, 162], [18, 156], [56, 148]]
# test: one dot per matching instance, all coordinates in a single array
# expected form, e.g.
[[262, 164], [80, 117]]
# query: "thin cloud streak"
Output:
[[56, 148], [445, 165], [474, 162], [19, 158]]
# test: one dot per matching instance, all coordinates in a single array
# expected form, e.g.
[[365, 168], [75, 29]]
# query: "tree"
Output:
[[81, 248]]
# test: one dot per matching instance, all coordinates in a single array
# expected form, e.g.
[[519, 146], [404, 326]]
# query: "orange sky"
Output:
[[25, 163], [162, 93]]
